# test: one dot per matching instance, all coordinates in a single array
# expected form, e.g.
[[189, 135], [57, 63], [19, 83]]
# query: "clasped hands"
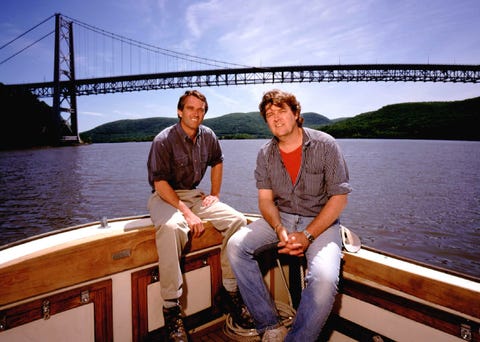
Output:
[[292, 243]]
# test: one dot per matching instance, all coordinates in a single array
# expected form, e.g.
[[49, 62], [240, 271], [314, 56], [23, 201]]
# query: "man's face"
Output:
[[192, 114], [280, 119]]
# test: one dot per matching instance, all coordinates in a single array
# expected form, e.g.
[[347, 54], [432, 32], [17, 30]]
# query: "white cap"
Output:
[[351, 241]]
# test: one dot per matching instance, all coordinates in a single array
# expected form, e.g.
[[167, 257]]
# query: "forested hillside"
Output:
[[456, 120], [230, 126]]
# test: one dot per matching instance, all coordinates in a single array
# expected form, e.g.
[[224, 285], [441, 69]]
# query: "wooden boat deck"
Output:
[[213, 333]]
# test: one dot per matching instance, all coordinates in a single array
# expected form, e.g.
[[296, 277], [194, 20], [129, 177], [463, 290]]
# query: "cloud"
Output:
[[98, 114]]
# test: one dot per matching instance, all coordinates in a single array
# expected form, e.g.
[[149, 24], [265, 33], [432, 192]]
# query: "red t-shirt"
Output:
[[292, 162]]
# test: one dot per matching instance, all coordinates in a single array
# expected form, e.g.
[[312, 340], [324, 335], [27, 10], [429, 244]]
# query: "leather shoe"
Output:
[[174, 324], [232, 303]]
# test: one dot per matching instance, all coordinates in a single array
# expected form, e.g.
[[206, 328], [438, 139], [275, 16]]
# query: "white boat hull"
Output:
[[100, 284]]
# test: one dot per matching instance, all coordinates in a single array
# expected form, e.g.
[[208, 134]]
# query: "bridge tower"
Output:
[[64, 97]]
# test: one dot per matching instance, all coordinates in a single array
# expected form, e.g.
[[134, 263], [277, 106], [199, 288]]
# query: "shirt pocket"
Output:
[[181, 161], [313, 183]]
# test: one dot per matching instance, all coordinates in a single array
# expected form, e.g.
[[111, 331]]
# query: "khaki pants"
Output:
[[172, 235]]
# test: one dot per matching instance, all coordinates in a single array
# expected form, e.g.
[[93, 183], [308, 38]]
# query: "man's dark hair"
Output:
[[279, 98], [197, 94]]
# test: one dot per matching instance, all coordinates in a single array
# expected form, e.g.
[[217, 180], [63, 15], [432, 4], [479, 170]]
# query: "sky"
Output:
[[261, 33]]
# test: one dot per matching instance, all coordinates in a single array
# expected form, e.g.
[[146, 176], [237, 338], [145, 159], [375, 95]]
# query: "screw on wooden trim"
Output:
[[3, 322], [465, 332], [46, 309], [85, 297], [154, 276]]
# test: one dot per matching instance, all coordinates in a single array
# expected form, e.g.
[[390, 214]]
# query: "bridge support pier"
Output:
[[64, 98]]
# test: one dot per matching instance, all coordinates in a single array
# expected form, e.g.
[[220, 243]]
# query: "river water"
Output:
[[416, 198]]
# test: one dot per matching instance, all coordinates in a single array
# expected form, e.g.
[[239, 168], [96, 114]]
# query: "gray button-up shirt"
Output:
[[323, 173], [175, 158]]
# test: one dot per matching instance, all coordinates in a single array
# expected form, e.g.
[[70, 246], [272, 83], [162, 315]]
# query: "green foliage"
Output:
[[231, 126], [127, 130], [245, 125], [456, 120]]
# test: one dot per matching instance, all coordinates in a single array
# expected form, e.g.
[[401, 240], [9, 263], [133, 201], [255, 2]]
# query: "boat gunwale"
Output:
[[251, 215]]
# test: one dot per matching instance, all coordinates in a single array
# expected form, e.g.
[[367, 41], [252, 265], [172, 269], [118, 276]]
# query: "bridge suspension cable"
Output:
[[90, 64], [149, 47], [28, 46], [24, 33]]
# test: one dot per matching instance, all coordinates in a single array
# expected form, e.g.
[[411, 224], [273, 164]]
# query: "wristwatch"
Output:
[[309, 236]]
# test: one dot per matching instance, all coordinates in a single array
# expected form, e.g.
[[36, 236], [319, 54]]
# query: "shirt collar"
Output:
[[181, 132], [305, 136]]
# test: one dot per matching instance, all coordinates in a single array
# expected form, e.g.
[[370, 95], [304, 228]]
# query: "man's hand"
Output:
[[209, 200], [292, 244], [195, 224]]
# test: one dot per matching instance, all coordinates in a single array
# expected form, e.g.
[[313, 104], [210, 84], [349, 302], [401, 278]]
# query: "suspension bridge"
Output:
[[125, 60]]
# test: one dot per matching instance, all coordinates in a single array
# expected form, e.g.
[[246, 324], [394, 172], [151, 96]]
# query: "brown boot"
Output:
[[174, 324], [232, 303]]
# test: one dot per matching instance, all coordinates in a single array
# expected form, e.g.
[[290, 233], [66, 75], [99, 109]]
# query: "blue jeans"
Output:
[[323, 267]]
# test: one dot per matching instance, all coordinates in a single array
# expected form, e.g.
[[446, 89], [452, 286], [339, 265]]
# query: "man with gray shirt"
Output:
[[303, 184]]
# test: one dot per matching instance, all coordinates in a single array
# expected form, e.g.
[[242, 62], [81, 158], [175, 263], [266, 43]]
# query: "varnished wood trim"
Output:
[[418, 312], [141, 279], [211, 258], [431, 290], [350, 329], [87, 259], [100, 294]]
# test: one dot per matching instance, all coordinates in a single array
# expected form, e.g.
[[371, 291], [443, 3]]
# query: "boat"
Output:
[[99, 282]]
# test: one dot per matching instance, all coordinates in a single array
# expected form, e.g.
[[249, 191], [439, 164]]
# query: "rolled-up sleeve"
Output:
[[158, 162], [336, 171], [215, 152]]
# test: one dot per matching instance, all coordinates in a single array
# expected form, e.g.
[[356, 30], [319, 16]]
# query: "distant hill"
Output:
[[239, 126], [230, 126], [127, 130], [456, 120], [252, 126]]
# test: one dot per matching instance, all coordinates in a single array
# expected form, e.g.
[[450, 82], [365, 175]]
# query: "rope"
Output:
[[286, 313], [302, 276], [236, 333]]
